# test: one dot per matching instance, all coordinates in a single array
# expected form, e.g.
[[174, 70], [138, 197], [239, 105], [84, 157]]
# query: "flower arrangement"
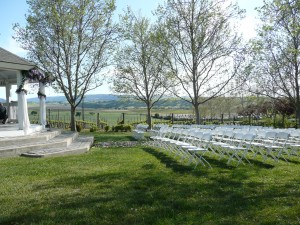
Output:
[[40, 94], [21, 86], [37, 75], [34, 75]]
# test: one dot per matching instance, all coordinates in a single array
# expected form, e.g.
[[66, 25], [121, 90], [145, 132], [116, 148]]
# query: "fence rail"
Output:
[[61, 118]]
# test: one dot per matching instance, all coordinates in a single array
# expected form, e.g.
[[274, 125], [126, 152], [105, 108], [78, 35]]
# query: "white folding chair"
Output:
[[274, 145], [281, 143], [240, 147], [217, 147], [201, 147]]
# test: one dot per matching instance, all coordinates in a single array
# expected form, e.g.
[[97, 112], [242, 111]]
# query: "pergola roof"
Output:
[[9, 64]]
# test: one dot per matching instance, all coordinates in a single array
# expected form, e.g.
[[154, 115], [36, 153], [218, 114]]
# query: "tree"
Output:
[[140, 69], [71, 40], [204, 47], [276, 52]]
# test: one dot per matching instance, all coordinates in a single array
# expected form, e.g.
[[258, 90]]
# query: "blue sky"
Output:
[[13, 11]]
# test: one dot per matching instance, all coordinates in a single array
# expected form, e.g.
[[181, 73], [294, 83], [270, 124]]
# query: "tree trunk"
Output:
[[149, 117], [73, 119], [197, 113], [297, 116]]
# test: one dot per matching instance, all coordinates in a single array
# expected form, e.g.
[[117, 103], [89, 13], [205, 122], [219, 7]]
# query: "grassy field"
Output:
[[141, 185]]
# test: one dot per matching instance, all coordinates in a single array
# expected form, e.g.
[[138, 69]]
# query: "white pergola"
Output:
[[11, 67]]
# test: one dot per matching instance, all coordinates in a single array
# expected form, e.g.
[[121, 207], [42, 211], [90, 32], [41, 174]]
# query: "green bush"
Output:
[[121, 127], [93, 129], [106, 128], [127, 128], [78, 127], [156, 115]]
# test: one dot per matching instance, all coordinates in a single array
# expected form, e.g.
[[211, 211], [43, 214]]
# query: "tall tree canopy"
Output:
[[72, 39], [204, 47], [140, 61], [276, 52]]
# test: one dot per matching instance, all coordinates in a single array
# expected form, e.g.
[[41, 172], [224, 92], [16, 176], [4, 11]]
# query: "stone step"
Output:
[[80, 145], [31, 138], [62, 140]]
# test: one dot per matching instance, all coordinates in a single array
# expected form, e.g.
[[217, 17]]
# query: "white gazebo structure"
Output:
[[15, 70]]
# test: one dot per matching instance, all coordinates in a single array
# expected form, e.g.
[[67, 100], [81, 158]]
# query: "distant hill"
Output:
[[88, 98], [109, 101]]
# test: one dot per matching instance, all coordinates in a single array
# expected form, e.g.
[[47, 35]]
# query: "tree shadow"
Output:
[[148, 195], [170, 162]]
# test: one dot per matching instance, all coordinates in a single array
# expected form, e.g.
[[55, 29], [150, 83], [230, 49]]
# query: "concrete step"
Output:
[[80, 145], [63, 140], [31, 138]]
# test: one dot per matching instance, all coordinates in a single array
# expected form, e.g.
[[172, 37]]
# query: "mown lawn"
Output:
[[141, 185]]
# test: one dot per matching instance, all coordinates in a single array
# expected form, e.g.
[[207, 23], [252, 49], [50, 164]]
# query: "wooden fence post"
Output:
[[98, 120]]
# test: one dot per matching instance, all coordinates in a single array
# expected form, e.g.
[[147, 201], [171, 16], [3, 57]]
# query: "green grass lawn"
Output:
[[142, 185]]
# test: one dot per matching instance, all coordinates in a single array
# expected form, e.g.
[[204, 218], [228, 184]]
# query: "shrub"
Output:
[[119, 128], [78, 127], [122, 127], [156, 115], [167, 118], [106, 128], [127, 128], [93, 129]]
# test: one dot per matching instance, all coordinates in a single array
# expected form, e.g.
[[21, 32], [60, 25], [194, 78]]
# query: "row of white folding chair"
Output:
[[230, 144], [196, 148], [235, 145], [272, 144], [187, 144], [239, 147], [156, 129], [291, 137], [158, 136], [192, 146], [265, 143], [198, 143], [280, 141]]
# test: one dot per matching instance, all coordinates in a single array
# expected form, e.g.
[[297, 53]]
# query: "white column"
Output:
[[8, 98], [23, 118], [42, 98]]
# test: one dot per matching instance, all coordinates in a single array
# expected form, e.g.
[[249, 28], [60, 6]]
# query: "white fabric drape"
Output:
[[23, 118], [43, 120]]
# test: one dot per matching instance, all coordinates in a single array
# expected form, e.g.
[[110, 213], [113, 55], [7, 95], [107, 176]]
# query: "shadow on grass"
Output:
[[121, 198], [221, 164], [169, 161], [159, 196]]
